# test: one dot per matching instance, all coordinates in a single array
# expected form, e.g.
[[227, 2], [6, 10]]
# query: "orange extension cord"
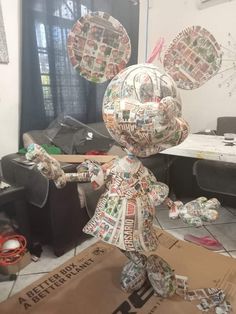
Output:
[[12, 256]]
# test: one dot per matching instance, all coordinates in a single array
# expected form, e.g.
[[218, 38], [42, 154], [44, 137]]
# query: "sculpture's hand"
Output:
[[47, 165], [94, 172], [199, 210], [158, 193]]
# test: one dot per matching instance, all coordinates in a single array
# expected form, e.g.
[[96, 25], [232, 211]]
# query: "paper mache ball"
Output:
[[142, 110]]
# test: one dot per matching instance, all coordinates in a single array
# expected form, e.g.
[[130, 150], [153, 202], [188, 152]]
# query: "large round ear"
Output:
[[193, 57], [98, 46]]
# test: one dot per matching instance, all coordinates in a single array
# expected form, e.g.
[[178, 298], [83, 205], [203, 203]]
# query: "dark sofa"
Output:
[[55, 216]]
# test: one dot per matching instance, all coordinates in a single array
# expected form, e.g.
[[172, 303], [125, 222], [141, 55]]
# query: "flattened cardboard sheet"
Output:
[[89, 283], [80, 158]]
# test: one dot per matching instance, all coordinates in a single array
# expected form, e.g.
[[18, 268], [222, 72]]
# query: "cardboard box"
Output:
[[114, 152], [80, 158], [15, 268], [90, 282]]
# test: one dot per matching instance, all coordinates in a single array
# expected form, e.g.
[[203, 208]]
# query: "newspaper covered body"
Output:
[[125, 211]]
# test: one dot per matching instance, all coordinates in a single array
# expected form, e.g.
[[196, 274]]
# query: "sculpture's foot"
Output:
[[134, 272], [132, 277], [161, 276]]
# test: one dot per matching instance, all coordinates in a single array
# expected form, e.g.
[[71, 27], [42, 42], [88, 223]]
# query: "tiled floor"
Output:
[[224, 229]]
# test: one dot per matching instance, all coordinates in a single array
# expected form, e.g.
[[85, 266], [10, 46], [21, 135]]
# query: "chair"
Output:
[[217, 176], [225, 125]]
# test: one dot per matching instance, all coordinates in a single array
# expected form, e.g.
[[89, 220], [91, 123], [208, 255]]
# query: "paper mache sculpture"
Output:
[[142, 111]]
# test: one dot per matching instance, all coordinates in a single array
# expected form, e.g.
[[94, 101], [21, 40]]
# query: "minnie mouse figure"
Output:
[[142, 112]]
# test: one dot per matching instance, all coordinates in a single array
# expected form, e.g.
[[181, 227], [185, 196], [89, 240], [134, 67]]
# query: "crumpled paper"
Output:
[[206, 299]]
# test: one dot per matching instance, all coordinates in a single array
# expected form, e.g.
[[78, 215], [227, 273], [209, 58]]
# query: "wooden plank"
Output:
[[81, 158]]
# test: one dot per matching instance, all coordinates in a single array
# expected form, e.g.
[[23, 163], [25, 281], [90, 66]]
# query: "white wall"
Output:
[[9, 80], [167, 18]]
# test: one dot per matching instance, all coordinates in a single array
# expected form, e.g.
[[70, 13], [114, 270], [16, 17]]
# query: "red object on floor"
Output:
[[95, 152], [12, 255], [207, 242]]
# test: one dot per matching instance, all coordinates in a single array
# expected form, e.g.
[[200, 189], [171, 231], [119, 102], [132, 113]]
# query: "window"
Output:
[[50, 85]]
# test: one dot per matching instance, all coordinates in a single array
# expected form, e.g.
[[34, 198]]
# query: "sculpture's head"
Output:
[[142, 110]]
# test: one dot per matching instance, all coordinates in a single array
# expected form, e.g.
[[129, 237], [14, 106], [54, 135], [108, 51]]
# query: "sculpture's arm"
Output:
[[158, 193], [98, 174], [51, 168], [77, 177]]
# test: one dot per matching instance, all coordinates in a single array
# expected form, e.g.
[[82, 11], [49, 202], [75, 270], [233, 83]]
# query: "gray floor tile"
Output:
[[84, 245], [224, 216], [232, 253], [5, 289], [231, 209], [162, 215], [224, 233], [180, 232], [25, 280], [47, 262], [198, 232]]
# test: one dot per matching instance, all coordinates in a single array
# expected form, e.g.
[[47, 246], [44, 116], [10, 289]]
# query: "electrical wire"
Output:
[[12, 256]]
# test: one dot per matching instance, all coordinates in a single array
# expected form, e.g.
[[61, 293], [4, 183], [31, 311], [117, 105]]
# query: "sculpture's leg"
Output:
[[161, 276], [134, 272], [153, 267]]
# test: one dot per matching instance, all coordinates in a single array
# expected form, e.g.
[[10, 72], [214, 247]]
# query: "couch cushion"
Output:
[[99, 127], [83, 139]]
